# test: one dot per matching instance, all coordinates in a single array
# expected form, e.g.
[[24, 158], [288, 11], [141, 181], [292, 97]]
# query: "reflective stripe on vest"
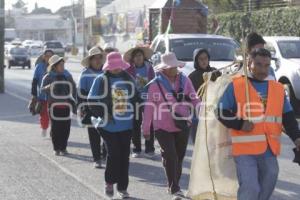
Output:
[[268, 119], [245, 139]]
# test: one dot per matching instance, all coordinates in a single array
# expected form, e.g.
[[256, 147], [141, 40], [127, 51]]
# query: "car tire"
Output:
[[292, 98], [23, 67]]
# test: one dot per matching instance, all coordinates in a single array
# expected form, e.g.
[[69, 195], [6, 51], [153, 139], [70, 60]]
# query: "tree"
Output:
[[21, 6], [221, 6]]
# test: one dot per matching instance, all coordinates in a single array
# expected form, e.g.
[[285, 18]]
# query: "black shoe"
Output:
[[98, 164], [109, 190], [64, 152]]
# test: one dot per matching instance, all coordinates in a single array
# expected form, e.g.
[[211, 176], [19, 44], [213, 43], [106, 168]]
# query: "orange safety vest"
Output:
[[267, 121]]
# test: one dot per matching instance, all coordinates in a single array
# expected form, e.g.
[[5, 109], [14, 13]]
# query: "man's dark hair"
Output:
[[48, 51], [110, 50], [254, 39], [260, 52]]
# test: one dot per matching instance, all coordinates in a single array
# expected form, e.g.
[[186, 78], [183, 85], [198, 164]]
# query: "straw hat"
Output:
[[115, 61], [147, 53], [92, 52], [169, 60], [54, 60]]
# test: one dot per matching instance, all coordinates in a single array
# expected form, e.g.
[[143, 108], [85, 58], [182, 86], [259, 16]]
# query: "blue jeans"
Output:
[[257, 175]]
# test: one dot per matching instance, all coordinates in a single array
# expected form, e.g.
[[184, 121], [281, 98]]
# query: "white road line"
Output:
[[17, 96], [66, 171]]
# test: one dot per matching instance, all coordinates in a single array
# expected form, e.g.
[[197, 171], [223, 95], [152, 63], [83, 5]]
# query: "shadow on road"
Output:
[[152, 175], [80, 157]]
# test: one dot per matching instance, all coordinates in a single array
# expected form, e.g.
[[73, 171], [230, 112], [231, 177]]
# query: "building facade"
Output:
[[44, 27]]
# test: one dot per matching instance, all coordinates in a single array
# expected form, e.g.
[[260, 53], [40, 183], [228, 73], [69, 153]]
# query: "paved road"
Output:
[[29, 170]]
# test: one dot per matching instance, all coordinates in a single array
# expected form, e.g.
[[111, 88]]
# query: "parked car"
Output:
[[222, 49], [35, 50], [17, 56], [286, 64], [27, 43], [56, 47]]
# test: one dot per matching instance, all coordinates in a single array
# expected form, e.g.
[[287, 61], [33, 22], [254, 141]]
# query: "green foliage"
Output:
[[222, 6], [268, 22]]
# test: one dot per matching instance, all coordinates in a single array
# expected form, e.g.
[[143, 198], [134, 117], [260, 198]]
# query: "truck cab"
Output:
[[222, 49]]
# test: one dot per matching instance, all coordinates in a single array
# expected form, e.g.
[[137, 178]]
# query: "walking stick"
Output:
[[245, 68]]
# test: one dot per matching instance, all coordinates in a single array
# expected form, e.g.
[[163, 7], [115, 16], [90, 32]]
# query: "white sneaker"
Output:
[[178, 195], [136, 155], [123, 194], [98, 164], [44, 132]]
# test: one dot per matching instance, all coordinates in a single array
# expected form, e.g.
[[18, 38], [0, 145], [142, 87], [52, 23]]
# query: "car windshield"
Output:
[[289, 49], [54, 45], [219, 49], [18, 51]]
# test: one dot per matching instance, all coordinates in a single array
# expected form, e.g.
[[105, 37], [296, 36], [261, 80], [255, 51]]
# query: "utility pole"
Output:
[[83, 28], [73, 26], [2, 28], [250, 4]]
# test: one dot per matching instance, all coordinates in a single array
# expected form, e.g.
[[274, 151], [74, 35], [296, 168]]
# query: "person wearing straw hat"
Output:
[[92, 64], [142, 71], [255, 119], [37, 95], [171, 95], [111, 100], [60, 89]]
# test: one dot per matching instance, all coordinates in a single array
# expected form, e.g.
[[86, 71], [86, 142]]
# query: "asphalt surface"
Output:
[[29, 170]]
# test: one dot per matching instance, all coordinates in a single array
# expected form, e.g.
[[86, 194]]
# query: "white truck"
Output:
[[222, 49], [286, 64]]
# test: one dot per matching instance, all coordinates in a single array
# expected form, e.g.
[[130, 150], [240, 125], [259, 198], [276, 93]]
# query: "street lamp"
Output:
[[83, 28]]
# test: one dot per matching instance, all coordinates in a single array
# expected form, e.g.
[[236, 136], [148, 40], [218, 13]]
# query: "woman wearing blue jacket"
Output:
[[93, 64], [112, 100]]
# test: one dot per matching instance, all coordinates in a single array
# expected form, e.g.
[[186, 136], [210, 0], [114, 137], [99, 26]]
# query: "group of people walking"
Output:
[[120, 98]]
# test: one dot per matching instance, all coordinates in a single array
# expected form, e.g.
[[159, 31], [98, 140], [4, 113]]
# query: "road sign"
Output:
[[90, 8]]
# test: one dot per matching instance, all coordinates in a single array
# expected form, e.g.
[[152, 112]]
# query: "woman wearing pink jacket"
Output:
[[170, 106]]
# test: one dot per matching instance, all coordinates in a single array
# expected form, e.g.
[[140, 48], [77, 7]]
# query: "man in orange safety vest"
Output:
[[256, 121]]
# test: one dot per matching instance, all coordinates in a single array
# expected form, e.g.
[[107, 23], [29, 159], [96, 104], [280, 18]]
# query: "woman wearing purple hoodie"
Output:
[[142, 72], [170, 93]]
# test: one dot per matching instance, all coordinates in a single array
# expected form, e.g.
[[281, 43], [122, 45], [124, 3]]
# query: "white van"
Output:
[[286, 64]]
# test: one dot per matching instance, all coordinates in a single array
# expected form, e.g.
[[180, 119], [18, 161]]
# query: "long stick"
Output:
[[245, 67]]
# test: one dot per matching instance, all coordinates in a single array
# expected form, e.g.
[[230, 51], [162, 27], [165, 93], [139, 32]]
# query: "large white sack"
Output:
[[213, 168]]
